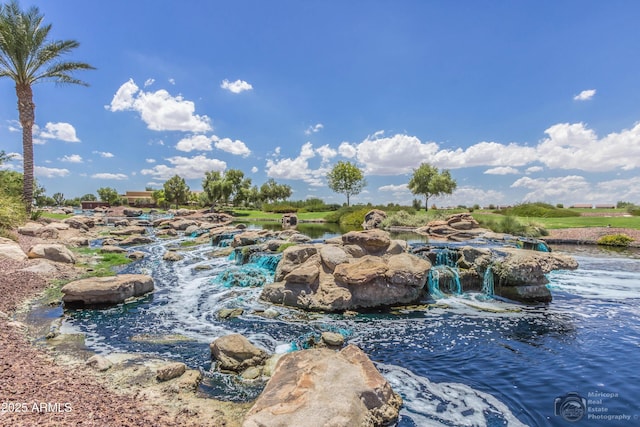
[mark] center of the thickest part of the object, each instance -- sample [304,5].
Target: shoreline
[33,374]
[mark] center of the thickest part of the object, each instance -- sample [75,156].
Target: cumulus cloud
[150,160]
[502,170]
[297,168]
[469,196]
[393,155]
[104,154]
[187,167]
[195,143]
[347,150]
[159,110]
[149,82]
[60,131]
[235,87]
[45,172]
[327,153]
[73,158]
[314,129]
[236,147]
[555,189]
[534,169]
[114,176]
[585,95]
[254,169]
[574,146]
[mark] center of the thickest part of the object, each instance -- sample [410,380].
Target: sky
[532,100]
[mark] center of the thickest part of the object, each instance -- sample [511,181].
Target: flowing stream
[460,359]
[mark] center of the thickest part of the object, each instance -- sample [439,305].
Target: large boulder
[106,290]
[456,227]
[11,250]
[334,277]
[235,353]
[373,219]
[128,231]
[325,388]
[53,252]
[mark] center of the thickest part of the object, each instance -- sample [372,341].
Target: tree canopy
[346,178]
[430,182]
[109,195]
[271,191]
[176,190]
[27,56]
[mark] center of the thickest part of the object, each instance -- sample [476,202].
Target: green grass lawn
[246,215]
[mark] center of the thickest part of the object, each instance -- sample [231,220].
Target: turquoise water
[462,361]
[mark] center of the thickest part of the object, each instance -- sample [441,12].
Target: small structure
[289,220]
[139,198]
[582,206]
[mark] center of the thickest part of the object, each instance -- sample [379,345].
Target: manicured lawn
[255,215]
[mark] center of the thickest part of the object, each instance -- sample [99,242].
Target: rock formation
[325,388]
[106,290]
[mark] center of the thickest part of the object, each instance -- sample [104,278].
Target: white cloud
[44,172]
[236,147]
[195,143]
[172,81]
[393,155]
[235,87]
[394,188]
[150,160]
[502,170]
[149,82]
[314,129]
[159,110]
[327,153]
[585,95]
[574,146]
[61,131]
[534,169]
[469,196]
[485,154]
[347,150]
[114,176]
[73,158]
[556,189]
[297,168]
[186,167]
[254,169]
[104,154]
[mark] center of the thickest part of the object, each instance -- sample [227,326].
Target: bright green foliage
[176,190]
[159,198]
[538,210]
[346,178]
[430,182]
[109,195]
[615,240]
[12,211]
[271,191]
[28,56]
[59,199]
[89,197]
[403,218]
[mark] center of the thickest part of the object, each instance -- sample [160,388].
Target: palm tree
[28,57]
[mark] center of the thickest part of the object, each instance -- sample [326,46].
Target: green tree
[176,190]
[216,188]
[89,197]
[159,198]
[271,191]
[346,178]
[27,56]
[58,198]
[429,182]
[109,195]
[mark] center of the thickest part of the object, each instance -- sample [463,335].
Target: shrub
[538,210]
[615,240]
[284,246]
[403,219]
[355,218]
[12,212]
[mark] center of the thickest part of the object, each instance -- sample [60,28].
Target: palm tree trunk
[26,114]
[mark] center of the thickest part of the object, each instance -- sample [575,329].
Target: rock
[332,256]
[361,271]
[292,257]
[229,313]
[136,240]
[397,247]
[172,256]
[373,219]
[53,252]
[167,232]
[251,373]
[111,249]
[235,353]
[524,267]
[106,290]
[38,230]
[44,267]
[306,273]
[170,371]
[99,363]
[333,339]
[289,220]
[136,255]
[182,224]
[11,250]
[326,388]
[131,213]
[372,241]
[80,222]
[129,231]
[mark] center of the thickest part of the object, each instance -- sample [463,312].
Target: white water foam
[445,404]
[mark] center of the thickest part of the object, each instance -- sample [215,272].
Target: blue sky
[520,100]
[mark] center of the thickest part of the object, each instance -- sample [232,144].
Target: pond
[456,360]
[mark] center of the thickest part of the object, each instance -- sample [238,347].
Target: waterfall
[265,260]
[487,283]
[447,257]
[444,276]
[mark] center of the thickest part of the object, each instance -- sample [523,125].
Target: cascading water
[444,275]
[487,283]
